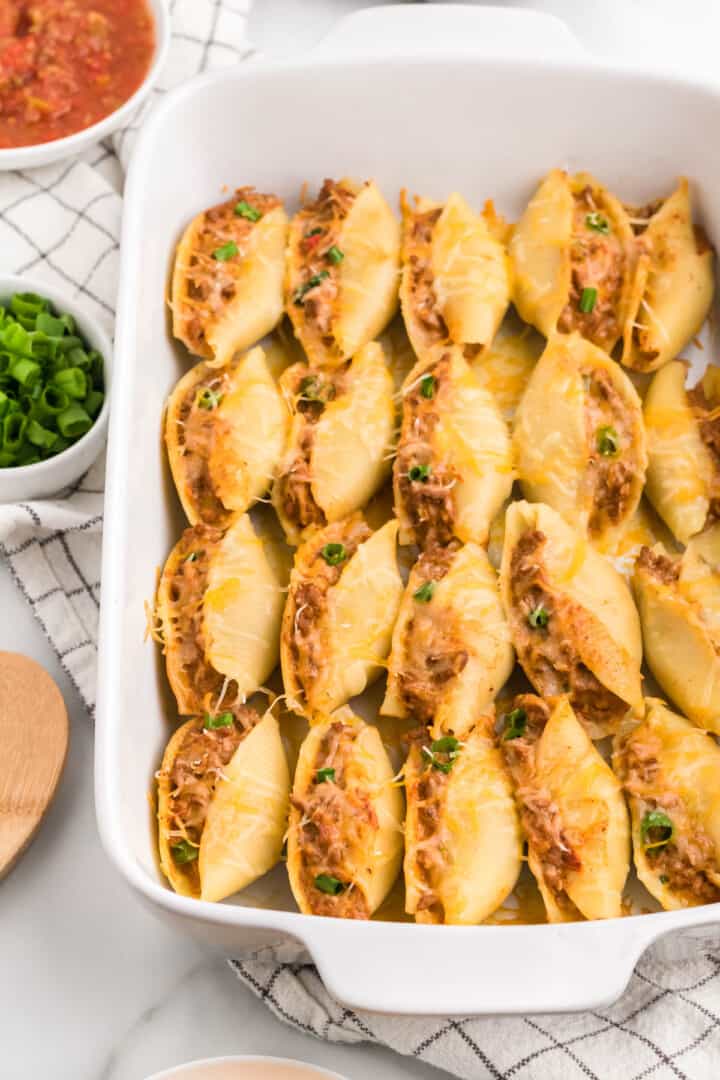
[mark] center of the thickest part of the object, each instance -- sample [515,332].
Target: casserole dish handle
[415,30]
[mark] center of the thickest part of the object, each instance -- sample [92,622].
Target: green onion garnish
[420,473]
[73,382]
[425,593]
[192,557]
[243,209]
[664,879]
[608,443]
[427,386]
[310,388]
[447,745]
[322,776]
[587,299]
[73,421]
[184,852]
[208,399]
[539,617]
[334,554]
[311,283]
[335,255]
[313,232]
[515,724]
[224,719]
[656,830]
[328,884]
[598,223]
[227,251]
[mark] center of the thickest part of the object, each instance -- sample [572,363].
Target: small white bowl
[44,478]
[246,1068]
[30,157]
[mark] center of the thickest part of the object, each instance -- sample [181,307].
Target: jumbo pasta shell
[345,835]
[588,460]
[227,286]
[219,608]
[345,589]
[341,280]
[572,618]
[225,432]
[463,845]
[451,649]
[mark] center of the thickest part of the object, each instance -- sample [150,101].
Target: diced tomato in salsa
[65,64]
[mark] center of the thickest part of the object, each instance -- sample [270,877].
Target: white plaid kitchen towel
[60,224]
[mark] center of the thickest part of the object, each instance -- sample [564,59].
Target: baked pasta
[587,457]
[344,845]
[683,432]
[679,603]
[339,446]
[225,432]
[674,283]
[341,282]
[574,258]
[345,589]
[453,468]
[227,286]
[671,773]
[463,846]
[218,612]
[455,286]
[572,618]
[223,798]
[451,650]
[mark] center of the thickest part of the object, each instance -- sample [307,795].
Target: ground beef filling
[422,280]
[661,567]
[310,599]
[708,417]
[334,823]
[317,284]
[427,495]
[539,814]
[611,472]
[211,282]
[598,261]
[198,765]
[428,795]
[547,653]
[686,862]
[200,429]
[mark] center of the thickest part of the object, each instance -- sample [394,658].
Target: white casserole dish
[462,101]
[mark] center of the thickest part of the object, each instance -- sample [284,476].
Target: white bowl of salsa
[74,71]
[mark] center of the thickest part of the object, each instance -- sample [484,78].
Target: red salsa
[65,64]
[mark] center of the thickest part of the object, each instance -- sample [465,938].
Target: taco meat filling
[312,391]
[212,280]
[335,819]
[425,486]
[610,437]
[539,814]
[708,418]
[418,253]
[433,646]
[200,430]
[598,263]
[193,776]
[661,567]
[546,650]
[688,862]
[320,256]
[427,793]
[310,600]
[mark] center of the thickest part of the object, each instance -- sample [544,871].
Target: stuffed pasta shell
[341,435]
[345,589]
[227,286]
[679,603]
[572,618]
[588,458]
[683,432]
[463,845]
[223,801]
[671,773]
[674,285]
[453,468]
[572,810]
[219,609]
[451,650]
[573,255]
[344,845]
[341,280]
[455,285]
[225,432]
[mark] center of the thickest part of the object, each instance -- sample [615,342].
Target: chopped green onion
[335,255]
[26,372]
[192,557]
[598,223]
[420,473]
[539,617]
[208,399]
[50,325]
[328,884]
[73,382]
[40,436]
[243,209]
[311,283]
[664,879]
[184,852]
[227,251]
[656,830]
[224,719]
[427,386]
[311,387]
[13,432]
[334,554]
[608,443]
[53,401]
[73,421]
[94,402]
[323,776]
[313,232]
[447,745]
[425,593]
[587,299]
[515,724]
